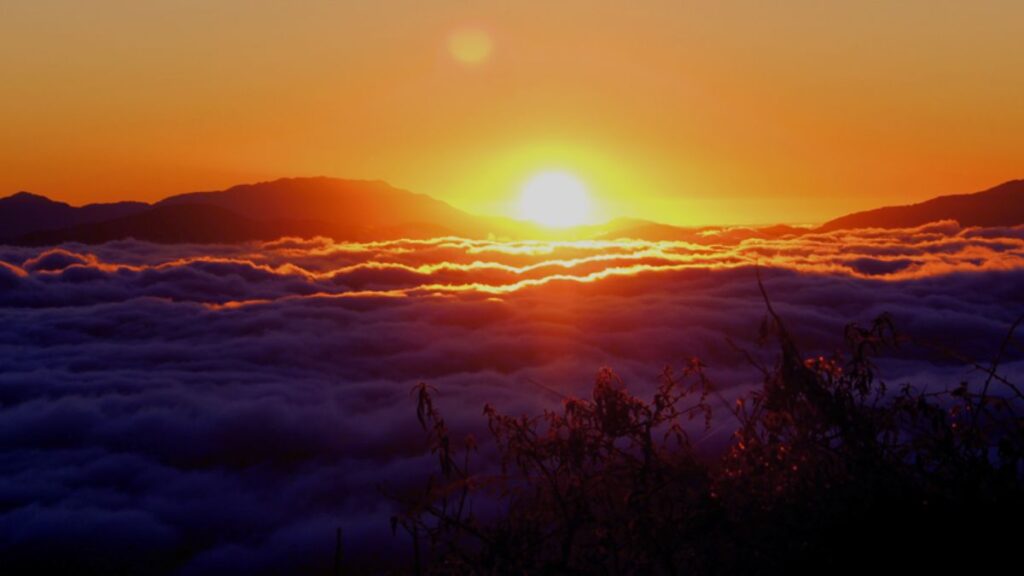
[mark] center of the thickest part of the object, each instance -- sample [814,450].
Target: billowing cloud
[197,409]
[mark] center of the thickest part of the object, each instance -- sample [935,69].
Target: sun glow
[554,198]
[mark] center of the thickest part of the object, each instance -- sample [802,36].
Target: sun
[554,198]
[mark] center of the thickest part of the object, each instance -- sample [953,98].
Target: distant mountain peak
[347,203]
[306,206]
[23,196]
[1001,205]
[313,181]
[27,213]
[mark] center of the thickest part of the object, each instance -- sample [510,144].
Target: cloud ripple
[195,409]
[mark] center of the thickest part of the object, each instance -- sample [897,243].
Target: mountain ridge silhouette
[366,210]
[1001,205]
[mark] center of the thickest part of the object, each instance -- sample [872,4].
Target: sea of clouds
[199,409]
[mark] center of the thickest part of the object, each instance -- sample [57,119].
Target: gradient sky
[717,112]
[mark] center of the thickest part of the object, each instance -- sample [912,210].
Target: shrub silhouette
[827,470]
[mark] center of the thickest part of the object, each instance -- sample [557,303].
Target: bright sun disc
[554,198]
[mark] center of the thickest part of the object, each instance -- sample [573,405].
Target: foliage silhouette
[827,470]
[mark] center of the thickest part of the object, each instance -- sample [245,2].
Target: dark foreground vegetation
[828,471]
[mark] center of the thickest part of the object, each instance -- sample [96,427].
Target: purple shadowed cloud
[201,409]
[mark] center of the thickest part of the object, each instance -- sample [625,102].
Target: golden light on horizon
[554,198]
[663,109]
[470,46]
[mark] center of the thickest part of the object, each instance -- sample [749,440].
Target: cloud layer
[192,409]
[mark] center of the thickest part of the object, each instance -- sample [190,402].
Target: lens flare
[470,46]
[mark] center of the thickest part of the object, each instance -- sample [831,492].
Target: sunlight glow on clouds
[226,407]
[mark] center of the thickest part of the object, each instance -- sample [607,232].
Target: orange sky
[738,112]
